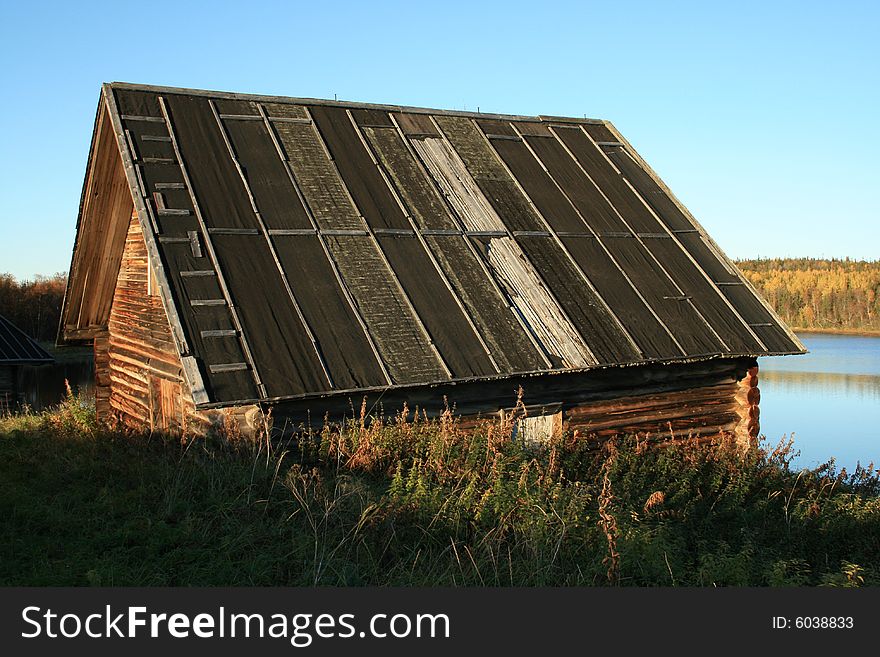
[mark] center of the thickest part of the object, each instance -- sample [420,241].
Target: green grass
[407,502]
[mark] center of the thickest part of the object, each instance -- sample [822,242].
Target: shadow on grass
[412,501]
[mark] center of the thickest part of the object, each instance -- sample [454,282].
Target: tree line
[819,294]
[34,306]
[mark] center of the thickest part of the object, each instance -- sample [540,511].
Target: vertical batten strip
[422,241]
[209,246]
[560,243]
[601,243]
[539,348]
[509,256]
[713,247]
[378,247]
[639,239]
[345,291]
[674,238]
[271,246]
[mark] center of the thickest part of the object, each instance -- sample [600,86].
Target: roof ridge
[293,100]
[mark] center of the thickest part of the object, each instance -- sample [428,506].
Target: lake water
[828,400]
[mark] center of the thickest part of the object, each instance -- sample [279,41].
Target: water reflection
[828,399]
[862,386]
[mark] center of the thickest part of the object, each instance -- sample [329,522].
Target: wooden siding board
[647,331]
[596,326]
[137,354]
[101,348]
[275,197]
[443,319]
[279,343]
[508,343]
[581,305]
[217,185]
[321,187]
[401,343]
[106,208]
[359,174]
[343,343]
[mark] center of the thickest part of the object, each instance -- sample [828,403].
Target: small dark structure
[239,252]
[16,350]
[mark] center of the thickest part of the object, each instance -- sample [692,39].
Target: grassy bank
[418,503]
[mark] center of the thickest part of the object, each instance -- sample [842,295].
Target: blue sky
[762,117]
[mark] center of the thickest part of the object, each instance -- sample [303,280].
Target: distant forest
[33,306]
[807,293]
[819,294]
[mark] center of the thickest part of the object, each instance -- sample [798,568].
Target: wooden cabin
[239,253]
[17,349]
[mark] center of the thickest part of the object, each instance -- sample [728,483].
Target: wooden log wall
[138,372]
[102,374]
[726,407]
[748,397]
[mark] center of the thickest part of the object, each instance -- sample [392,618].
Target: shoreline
[865,333]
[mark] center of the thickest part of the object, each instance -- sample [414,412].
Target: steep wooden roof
[307,247]
[17,347]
